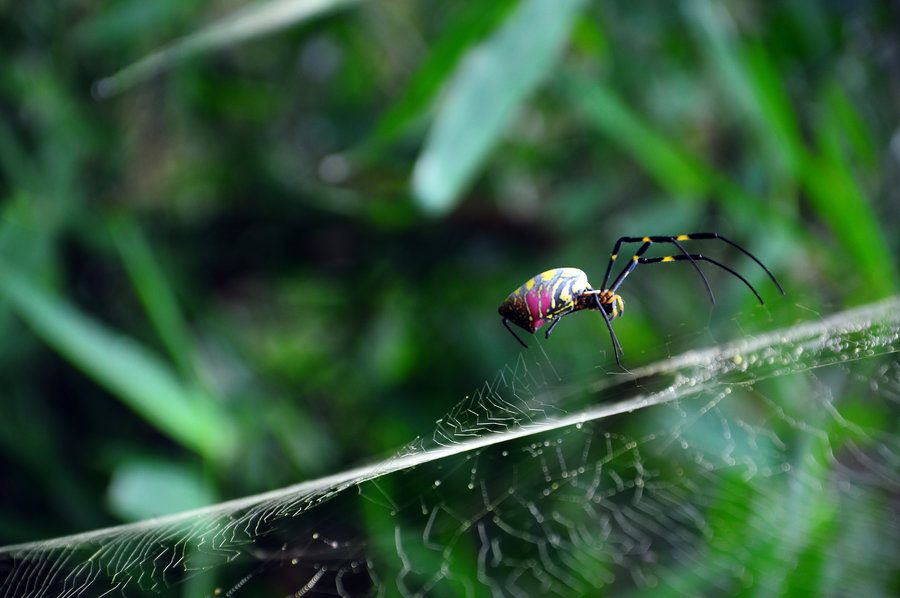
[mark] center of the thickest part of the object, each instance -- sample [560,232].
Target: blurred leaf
[154,291]
[121,22]
[252,21]
[128,370]
[751,81]
[842,203]
[474,21]
[589,38]
[142,489]
[673,167]
[778,124]
[715,31]
[683,174]
[754,82]
[492,80]
[852,124]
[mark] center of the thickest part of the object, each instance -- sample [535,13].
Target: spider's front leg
[617,305]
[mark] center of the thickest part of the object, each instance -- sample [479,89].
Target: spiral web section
[769,465]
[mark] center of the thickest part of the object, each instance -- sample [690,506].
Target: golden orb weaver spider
[559,292]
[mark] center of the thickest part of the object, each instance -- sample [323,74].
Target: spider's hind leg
[512,332]
[552,326]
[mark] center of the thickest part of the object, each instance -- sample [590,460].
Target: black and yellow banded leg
[698,258]
[647,241]
[701,236]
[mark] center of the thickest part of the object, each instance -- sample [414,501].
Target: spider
[559,292]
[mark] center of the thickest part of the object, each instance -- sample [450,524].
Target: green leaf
[751,82]
[142,488]
[674,168]
[130,371]
[255,20]
[492,80]
[154,291]
[474,21]
[840,200]
[852,123]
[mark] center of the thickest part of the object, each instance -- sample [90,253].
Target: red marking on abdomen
[539,300]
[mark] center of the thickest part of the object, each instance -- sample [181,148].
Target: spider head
[612,304]
[608,301]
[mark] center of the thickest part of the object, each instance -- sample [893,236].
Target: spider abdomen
[548,295]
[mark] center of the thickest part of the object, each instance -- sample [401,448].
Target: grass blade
[128,370]
[253,21]
[475,21]
[675,169]
[154,291]
[490,82]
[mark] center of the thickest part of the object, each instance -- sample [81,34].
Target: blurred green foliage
[232,268]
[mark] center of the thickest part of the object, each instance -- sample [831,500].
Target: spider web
[770,465]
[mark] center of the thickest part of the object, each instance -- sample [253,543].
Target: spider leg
[617,348]
[693,236]
[613,255]
[712,298]
[506,323]
[703,258]
[627,269]
[648,241]
[553,325]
